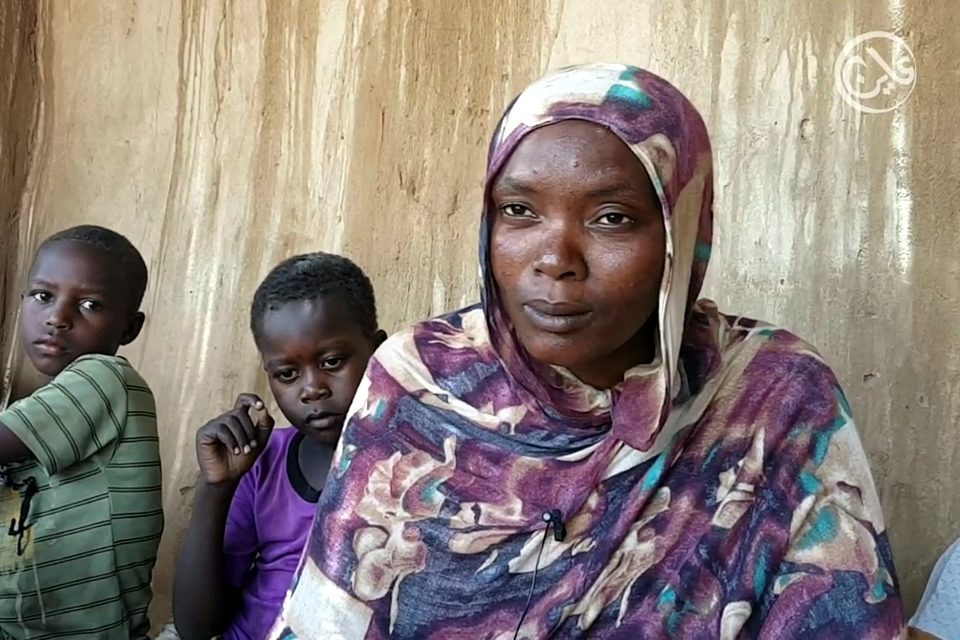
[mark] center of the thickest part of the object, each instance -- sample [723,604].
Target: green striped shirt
[82,566]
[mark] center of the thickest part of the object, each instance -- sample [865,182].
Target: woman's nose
[560,255]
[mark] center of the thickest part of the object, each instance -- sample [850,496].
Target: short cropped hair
[117,247]
[314,276]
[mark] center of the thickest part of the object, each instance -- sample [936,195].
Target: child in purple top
[314,321]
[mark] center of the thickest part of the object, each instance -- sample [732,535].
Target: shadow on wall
[19,97]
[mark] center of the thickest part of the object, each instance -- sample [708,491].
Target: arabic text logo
[875,72]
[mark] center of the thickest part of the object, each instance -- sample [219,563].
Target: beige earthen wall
[223,136]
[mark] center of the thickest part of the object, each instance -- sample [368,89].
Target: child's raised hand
[228,446]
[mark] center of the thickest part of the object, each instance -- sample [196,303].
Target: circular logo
[875,72]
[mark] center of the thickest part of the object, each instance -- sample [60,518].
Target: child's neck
[23,382]
[314,460]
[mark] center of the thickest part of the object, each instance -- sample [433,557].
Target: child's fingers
[263,425]
[264,421]
[249,430]
[248,401]
[253,414]
[264,429]
[232,423]
[225,436]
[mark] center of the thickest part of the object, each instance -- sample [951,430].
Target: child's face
[314,355]
[75,304]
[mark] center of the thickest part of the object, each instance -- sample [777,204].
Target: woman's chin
[556,351]
[597,360]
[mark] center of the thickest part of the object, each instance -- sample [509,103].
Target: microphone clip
[554,520]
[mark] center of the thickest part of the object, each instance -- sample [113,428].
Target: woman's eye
[42,296]
[332,363]
[516,211]
[91,305]
[614,220]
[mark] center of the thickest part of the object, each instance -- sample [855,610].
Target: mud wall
[222,137]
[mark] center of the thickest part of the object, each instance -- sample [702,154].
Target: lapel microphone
[554,520]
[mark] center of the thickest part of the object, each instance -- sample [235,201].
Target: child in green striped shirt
[79,459]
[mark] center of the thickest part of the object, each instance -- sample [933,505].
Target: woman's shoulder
[742,341]
[429,357]
[776,349]
[465,329]
[762,368]
[766,384]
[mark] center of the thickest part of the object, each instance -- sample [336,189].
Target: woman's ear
[379,338]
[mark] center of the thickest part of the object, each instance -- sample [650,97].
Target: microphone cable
[554,521]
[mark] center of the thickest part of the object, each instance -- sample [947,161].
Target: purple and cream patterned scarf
[720,492]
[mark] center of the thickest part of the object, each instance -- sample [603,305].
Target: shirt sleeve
[240,539]
[79,414]
[837,577]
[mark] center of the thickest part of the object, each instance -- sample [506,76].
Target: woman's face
[577,250]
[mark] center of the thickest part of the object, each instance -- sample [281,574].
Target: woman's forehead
[572,150]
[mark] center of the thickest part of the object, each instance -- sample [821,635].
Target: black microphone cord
[554,521]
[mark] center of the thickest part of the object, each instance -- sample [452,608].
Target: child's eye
[42,296]
[332,363]
[91,305]
[286,375]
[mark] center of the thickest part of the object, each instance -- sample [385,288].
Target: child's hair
[311,277]
[128,260]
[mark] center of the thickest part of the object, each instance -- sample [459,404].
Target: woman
[590,452]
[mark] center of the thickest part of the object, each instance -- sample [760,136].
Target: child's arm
[12,448]
[222,539]
[204,601]
[80,413]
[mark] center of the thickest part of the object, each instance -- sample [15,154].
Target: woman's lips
[557,317]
